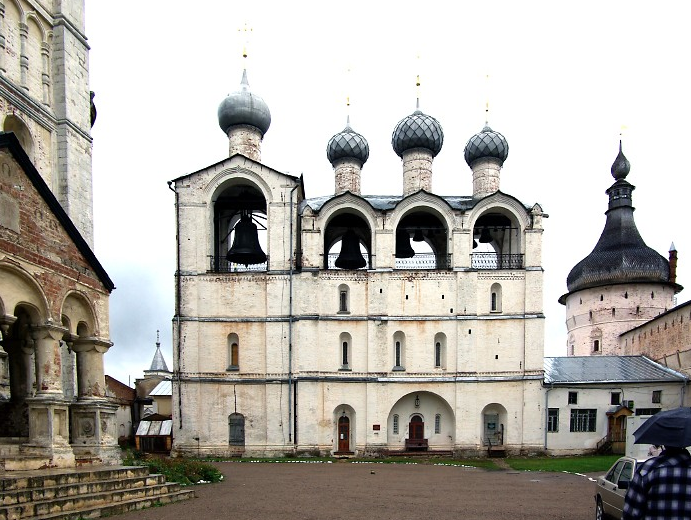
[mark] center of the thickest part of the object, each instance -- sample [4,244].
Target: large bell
[485,237]
[350,256]
[418,236]
[246,249]
[403,247]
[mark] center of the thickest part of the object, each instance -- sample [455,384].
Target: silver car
[610,488]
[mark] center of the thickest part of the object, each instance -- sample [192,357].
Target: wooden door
[343,434]
[416,428]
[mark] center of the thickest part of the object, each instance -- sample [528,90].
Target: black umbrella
[668,428]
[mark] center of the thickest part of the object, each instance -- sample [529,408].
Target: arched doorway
[343,434]
[416,434]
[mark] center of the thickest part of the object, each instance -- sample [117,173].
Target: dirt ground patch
[353,491]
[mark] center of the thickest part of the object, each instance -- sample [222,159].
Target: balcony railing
[331,261]
[424,261]
[222,265]
[495,261]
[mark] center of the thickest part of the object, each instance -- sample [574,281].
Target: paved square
[381,491]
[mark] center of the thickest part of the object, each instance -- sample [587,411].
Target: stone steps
[79,493]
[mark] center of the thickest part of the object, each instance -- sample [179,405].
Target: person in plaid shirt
[661,488]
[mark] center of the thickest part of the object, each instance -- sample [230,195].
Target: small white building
[589,398]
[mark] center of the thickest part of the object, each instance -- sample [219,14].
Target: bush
[180,470]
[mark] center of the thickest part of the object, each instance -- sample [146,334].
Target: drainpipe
[291,426]
[176,369]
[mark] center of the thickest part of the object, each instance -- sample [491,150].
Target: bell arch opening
[497,241]
[240,229]
[422,242]
[347,243]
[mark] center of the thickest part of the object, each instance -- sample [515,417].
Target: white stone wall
[603,313]
[44,68]
[599,398]
[292,369]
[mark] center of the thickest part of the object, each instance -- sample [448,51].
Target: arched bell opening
[240,229]
[347,243]
[496,242]
[421,242]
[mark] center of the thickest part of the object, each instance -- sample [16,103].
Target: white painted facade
[296,356]
[598,397]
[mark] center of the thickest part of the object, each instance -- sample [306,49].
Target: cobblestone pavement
[356,491]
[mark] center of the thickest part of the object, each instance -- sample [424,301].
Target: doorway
[416,434]
[343,434]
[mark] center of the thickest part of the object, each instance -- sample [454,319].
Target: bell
[246,249]
[485,237]
[403,247]
[474,243]
[350,256]
[417,236]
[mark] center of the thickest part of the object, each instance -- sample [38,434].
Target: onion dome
[417,130]
[347,144]
[486,143]
[621,255]
[621,166]
[244,108]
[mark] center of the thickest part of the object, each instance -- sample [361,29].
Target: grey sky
[563,80]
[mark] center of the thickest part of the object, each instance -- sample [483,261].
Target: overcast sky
[565,80]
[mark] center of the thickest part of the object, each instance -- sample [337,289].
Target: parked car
[610,488]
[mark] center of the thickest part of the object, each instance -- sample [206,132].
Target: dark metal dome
[244,108]
[417,130]
[347,144]
[486,143]
[621,255]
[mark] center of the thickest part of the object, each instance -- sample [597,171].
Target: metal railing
[495,261]
[331,261]
[222,265]
[424,261]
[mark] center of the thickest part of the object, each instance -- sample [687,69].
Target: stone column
[91,381]
[48,364]
[3,42]
[23,56]
[93,425]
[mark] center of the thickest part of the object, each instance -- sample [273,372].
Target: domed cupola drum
[244,117]
[485,153]
[347,152]
[417,139]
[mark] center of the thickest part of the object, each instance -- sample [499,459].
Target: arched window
[233,352]
[343,298]
[395,424]
[495,298]
[345,342]
[440,350]
[399,351]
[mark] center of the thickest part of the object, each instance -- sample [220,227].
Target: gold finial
[247,32]
[486,99]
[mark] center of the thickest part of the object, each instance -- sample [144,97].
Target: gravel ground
[350,491]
